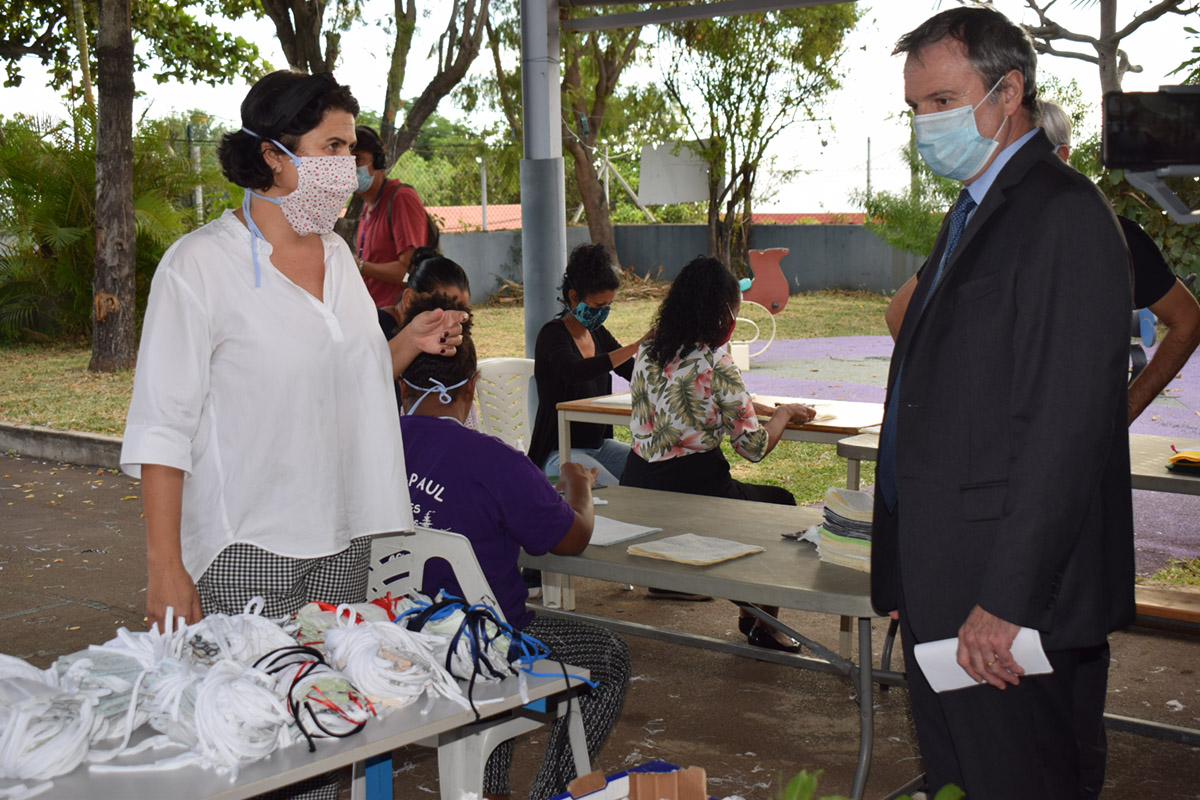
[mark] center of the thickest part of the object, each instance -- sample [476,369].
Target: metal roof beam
[635,19]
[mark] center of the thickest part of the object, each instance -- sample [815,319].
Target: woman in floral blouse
[688,395]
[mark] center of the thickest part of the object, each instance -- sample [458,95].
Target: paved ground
[72,570]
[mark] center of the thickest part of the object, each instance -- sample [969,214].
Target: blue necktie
[885,473]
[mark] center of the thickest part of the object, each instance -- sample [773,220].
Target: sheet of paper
[939,660]
[609,531]
[625,399]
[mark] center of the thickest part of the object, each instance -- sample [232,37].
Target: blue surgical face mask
[950,142]
[365,179]
[590,317]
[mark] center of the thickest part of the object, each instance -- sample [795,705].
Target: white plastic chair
[507,401]
[398,566]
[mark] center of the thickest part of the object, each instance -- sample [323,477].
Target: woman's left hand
[437,332]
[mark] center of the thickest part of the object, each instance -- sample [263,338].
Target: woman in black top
[574,358]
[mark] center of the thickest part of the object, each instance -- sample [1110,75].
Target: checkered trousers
[242,572]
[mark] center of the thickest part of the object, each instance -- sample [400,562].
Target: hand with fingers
[171,588]
[985,649]
[438,332]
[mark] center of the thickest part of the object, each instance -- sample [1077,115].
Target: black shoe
[668,594]
[745,624]
[761,637]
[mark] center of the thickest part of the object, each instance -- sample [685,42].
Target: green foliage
[740,80]
[1185,571]
[1189,70]
[47,221]
[167,34]
[909,220]
[804,787]
[1180,244]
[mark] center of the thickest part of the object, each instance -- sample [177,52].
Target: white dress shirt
[278,407]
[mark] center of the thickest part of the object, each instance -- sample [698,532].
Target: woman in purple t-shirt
[478,486]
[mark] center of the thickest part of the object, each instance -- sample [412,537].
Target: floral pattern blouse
[690,405]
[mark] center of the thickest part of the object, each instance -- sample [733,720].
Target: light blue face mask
[365,179]
[434,386]
[950,142]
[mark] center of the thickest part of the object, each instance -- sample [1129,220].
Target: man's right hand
[174,588]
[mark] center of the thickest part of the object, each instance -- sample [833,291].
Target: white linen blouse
[278,407]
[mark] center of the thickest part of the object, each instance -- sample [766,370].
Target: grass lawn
[49,384]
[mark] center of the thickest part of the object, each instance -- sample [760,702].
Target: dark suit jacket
[1012,450]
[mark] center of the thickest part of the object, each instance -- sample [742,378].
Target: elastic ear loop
[294,706]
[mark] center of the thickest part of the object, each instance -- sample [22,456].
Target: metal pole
[607,201]
[483,190]
[543,188]
[198,189]
[868,167]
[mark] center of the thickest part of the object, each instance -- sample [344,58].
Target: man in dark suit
[1002,492]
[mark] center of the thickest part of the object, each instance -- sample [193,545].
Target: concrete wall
[821,257]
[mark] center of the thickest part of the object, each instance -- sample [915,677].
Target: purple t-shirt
[467,482]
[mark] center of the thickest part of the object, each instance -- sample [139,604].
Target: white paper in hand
[939,660]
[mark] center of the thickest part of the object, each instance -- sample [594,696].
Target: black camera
[1152,130]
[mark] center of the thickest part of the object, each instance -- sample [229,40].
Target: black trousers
[704,473]
[1040,740]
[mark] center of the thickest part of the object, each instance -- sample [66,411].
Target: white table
[849,417]
[789,574]
[1147,461]
[446,723]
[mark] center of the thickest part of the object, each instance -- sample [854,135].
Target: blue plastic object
[744,284]
[1147,322]
[378,777]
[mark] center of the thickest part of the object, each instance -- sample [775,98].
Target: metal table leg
[866,708]
[852,473]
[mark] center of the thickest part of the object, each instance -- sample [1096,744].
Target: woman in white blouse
[263,423]
[688,395]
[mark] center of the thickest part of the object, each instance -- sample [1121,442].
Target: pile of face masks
[228,690]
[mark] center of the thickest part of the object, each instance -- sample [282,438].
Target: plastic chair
[506,400]
[398,566]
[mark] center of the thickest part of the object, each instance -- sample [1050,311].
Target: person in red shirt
[392,225]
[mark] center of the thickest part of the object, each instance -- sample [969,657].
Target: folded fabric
[688,548]
[1184,461]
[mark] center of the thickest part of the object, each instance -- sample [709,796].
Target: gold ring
[988,664]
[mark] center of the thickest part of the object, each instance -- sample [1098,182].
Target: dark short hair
[430,271]
[696,310]
[370,142]
[589,271]
[994,46]
[449,370]
[284,106]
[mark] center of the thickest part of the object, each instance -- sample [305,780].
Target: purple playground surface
[856,367]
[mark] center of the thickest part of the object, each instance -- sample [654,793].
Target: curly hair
[589,271]
[449,370]
[429,271]
[696,310]
[283,105]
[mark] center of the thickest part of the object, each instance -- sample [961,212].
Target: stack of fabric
[845,534]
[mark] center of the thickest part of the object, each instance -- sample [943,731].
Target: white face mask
[323,185]
[950,142]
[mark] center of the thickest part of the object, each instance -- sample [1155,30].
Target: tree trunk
[85,58]
[1106,48]
[114,307]
[595,204]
